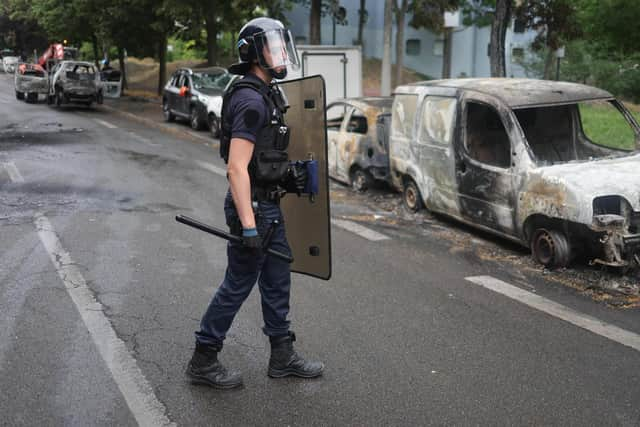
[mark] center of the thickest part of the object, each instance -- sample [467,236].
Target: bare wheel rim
[544,248]
[410,196]
[359,180]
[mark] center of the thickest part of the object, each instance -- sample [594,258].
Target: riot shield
[307,218]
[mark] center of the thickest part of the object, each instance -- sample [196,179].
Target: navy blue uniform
[248,114]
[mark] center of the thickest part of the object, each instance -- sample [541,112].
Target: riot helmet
[268,43]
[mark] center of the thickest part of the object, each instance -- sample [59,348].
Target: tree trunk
[123,68]
[400,20]
[361,20]
[212,33]
[162,59]
[314,22]
[385,78]
[499,27]
[446,54]
[94,42]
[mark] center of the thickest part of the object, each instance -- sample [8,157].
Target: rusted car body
[30,80]
[74,82]
[552,165]
[357,149]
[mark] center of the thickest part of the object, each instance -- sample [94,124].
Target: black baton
[227,236]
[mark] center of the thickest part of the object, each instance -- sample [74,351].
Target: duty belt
[268,194]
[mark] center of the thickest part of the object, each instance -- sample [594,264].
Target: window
[519,25]
[357,122]
[486,139]
[176,79]
[413,47]
[403,114]
[438,48]
[604,125]
[438,118]
[335,116]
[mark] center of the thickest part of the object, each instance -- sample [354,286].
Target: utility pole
[385,77]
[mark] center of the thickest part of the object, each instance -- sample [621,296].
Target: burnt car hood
[571,187]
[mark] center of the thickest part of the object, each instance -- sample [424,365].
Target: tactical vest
[270,161]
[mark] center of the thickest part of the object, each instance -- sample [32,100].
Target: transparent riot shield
[307,217]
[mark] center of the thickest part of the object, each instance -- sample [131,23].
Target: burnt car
[74,82]
[30,80]
[194,94]
[356,142]
[551,165]
[9,64]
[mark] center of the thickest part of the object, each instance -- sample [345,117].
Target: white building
[423,49]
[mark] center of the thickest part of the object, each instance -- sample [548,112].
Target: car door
[174,93]
[184,101]
[436,129]
[484,170]
[336,115]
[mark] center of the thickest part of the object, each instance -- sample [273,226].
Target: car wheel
[19,95]
[32,98]
[550,248]
[411,196]
[166,111]
[214,125]
[360,180]
[194,120]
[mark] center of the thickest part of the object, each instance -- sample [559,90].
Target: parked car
[196,95]
[30,80]
[551,165]
[74,82]
[9,64]
[357,150]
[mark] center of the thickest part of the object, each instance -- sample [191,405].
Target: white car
[9,64]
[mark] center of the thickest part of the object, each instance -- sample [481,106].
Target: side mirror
[184,91]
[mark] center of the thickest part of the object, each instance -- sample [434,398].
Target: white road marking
[14,173]
[196,135]
[107,124]
[212,168]
[138,393]
[359,230]
[598,327]
[143,139]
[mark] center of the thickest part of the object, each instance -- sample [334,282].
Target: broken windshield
[211,80]
[583,131]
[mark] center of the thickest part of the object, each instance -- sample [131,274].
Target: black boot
[285,361]
[204,368]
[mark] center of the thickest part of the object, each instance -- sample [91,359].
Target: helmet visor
[276,49]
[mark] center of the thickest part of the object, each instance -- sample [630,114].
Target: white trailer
[341,67]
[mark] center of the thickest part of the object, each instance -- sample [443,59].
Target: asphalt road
[101,290]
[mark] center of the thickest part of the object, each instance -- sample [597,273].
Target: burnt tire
[550,248]
[360,180]
[194,120]
[19,95]
[214,125]
[166,112]
[411,196]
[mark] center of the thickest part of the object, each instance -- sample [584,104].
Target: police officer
[253,142]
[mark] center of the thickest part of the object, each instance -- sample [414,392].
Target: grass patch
[604,125]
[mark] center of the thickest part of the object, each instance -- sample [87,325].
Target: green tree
[611,25]
[556,23]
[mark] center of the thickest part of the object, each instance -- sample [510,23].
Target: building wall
[469,44]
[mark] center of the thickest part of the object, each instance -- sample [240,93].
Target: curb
[168,129]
